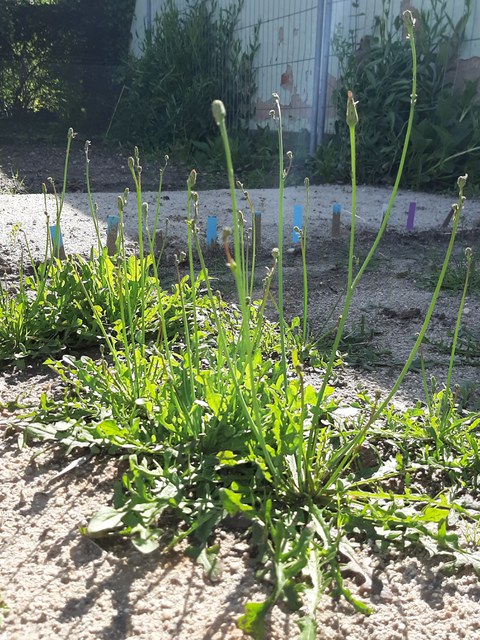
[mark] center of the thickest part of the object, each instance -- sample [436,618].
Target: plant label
[411,216]
[297,222]
[211,230]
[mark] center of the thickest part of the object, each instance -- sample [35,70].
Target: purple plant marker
[411,215]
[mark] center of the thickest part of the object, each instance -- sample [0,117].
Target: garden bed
[57,582]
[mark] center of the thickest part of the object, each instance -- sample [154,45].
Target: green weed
[358,344]
[211,406]
[456,273]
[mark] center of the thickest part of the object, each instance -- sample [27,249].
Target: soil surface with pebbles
[57,583]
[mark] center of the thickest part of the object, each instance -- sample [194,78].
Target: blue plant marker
[297,222]
[336,210]
[411,216]
[211,230]
[112,223]
[112,232]
[57,241]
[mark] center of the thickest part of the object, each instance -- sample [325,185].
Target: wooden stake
[112,232]
[258,228]
[337,210]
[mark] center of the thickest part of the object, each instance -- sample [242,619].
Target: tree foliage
[62,56]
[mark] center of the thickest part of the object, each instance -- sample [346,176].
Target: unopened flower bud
[352,115]
[462,181]
[192,179]
[219,112]
[408,20]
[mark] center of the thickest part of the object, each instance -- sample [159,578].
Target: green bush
[189,58]
[446,132]
[59,60]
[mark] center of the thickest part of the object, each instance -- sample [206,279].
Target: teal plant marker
[57,241]
[211,230]
[297,222]
[112,232]
[336,211]
[411,216]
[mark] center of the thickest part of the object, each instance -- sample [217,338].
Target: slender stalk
[303,240]
[281,185]
[93,211]
[219,115]
[142,212]
[354,194]
[191,222]
[409,23]
[468,256]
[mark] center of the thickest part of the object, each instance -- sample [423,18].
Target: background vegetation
[189,58]
[446,131]
[59,61]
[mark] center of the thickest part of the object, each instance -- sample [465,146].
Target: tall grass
[212,407]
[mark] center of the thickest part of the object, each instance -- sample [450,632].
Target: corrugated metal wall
[286,62]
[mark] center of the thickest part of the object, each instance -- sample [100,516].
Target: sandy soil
[58,584]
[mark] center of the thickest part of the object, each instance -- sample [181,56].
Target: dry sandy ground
[58,584]
[27,211]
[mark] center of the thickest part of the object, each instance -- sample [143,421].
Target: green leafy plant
[456,273]
[218,419]
[358,344]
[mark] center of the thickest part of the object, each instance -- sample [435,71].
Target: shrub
[189,58]
[446,130]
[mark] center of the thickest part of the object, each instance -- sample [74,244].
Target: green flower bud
[192,179]
[352,115]
[219,112]
[408,20]
[462,181]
